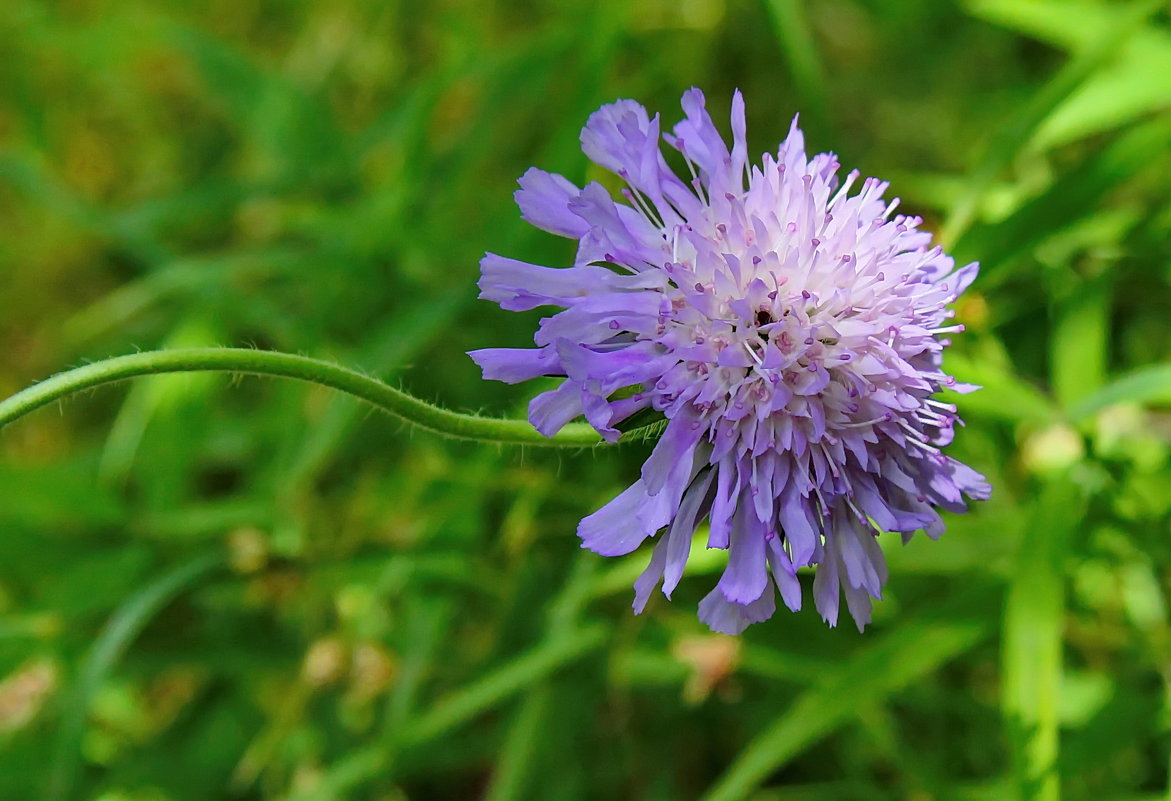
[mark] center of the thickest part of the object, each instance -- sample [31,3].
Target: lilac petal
[662,506]
[518,286]
[727,617]
[613,530]
[544,198]
[739,136]
[746,575]
[791,153]
[884,515]
[513,365]
[645,584]
[682,529]
[859,604]
[598,413]
[675,445]
[784,574]
[615,136]
[847,545]
[613,369]
[698,139]
[616,233]
[622,138]
[794,519]
[723,503]
[576,324]
[962,278]
[623,408]
[550,411]
[969,481]
[825,591]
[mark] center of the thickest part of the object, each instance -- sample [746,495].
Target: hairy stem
[287,365]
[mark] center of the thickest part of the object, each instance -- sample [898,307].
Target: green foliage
[257,589]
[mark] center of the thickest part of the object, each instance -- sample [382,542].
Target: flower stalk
[287,365]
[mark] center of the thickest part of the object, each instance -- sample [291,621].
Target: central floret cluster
[788,330]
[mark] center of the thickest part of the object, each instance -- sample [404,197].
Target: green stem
[287,365]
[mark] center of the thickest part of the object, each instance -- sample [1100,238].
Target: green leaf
[912,651]
[1074,197]
[1080,340]
[1011,139]
[1144,385]
[121,630]
[510,778]
[1003,396]
[457,708]
[498,684]
[1136,83]
[800,51]
[1031,657]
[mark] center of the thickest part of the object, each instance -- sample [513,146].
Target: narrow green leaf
[455,709]
[800,52]
[1011,138]
[1136,83]
[1075,196]
[161,394]
[904,655]
[510,778]
[1031,656]
[501,683]
[124,625]
[1004,396]
[1079,343]
[1144,385]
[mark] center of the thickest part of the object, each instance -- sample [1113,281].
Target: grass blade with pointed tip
[906,654]
[124,625]
[457,708]
[1010,140]
[1146,384]
[1032,643]
[800,51]
[1080,340]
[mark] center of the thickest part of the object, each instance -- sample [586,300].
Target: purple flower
[788,327]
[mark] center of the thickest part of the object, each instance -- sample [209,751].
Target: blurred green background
[252,589]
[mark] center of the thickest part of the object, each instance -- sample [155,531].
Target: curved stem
[287,365]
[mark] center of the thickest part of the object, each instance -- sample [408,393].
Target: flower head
[787,324]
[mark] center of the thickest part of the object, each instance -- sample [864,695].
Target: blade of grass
[906,654]
[1152,383]
[1031,650]
[1003,396]
[1136,83]
[1074,196]
[456,709]
[156,395]
[800,52]
[510,778]
[463,705]
[1079,342]
[123,627]
[1012,138]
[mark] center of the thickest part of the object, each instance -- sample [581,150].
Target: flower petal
[727,617]
[613,530]
[513,365]
[544,198]
[550,411]
[746,575]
